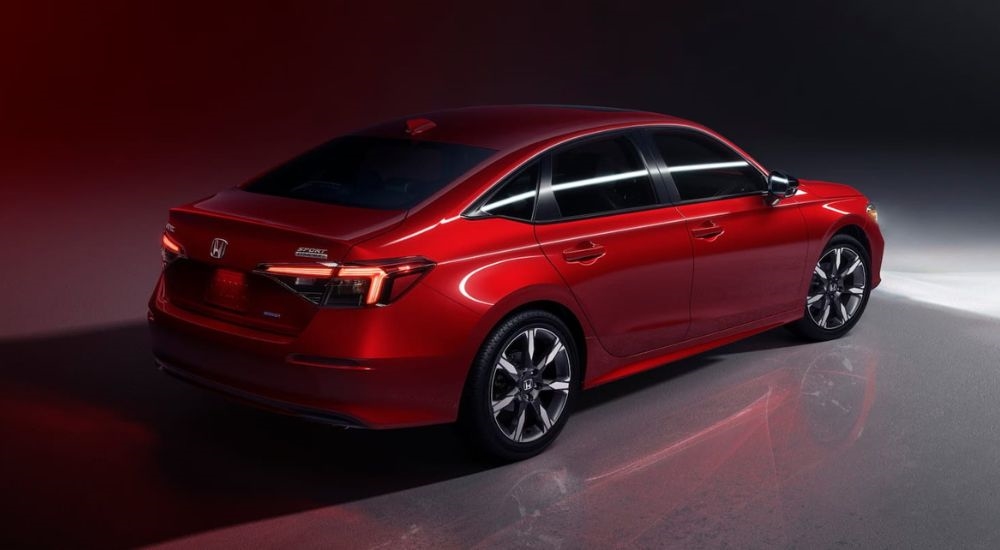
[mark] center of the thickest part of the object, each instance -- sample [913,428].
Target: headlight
[872,212]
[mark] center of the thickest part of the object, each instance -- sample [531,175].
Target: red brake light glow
[300,271]
[350,285]
[170,249]
[375,275]
[171,245]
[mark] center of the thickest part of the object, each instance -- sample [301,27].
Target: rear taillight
[351,285]
[170,249]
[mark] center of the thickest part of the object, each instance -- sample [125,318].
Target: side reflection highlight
[707,166]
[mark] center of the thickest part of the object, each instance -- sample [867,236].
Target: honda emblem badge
[219,248]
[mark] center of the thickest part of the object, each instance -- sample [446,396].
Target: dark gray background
[110,113]
[113,113]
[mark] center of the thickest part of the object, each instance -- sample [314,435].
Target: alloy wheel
[530,384]
[837,289]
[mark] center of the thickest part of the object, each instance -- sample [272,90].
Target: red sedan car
[487,264]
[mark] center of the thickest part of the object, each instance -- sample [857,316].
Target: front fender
[828,217]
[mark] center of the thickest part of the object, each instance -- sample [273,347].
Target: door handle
[585,252]
[708,231]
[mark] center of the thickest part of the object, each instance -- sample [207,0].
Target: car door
[748,256]
[625,255]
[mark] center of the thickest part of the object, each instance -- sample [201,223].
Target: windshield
[370,172]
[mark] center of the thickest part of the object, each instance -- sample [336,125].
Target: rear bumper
[388,367]
[283,407]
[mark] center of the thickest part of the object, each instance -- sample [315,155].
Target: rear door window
[600,176]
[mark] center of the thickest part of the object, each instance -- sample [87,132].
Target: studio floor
[886,438]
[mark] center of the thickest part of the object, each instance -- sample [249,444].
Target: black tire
[488,380]
[812,326]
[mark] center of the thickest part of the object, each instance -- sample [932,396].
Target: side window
[600,176]
[516,197]
[702,167]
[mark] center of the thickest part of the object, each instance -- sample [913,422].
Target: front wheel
[522,386]
[838,291]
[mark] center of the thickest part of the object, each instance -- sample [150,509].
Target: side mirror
[780,185]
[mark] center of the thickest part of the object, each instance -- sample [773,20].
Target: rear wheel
[838,291]
[522,386]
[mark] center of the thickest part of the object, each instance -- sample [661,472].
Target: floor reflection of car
[738,460]
[485,265]
[726,462]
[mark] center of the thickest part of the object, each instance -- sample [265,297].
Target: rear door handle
[584,252]
[708,231]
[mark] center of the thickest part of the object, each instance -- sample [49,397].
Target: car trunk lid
[227,237]
[260,229]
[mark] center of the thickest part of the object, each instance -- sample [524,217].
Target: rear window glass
[370,172]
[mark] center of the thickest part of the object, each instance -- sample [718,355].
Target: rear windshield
[370,172]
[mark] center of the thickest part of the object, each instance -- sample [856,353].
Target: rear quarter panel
[489,266]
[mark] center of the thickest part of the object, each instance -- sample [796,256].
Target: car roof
[509,127]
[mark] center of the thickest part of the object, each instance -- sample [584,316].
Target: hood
[827,189]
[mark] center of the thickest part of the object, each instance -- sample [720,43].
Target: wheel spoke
[843,312]
[819,273]
[507,367]
[826,315]
[542,416]
[852,267]
[530,335]
[519,429]
[859,290]
[815,298]
[836,260]
[504,401]
[558,347]
[555,385]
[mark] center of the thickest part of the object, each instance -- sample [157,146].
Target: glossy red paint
[629,267]
[748,261]
[639,287]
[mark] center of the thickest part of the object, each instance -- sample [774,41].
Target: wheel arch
[550,300]
[811,329]
[565,315]
[853,230]
[870,238]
